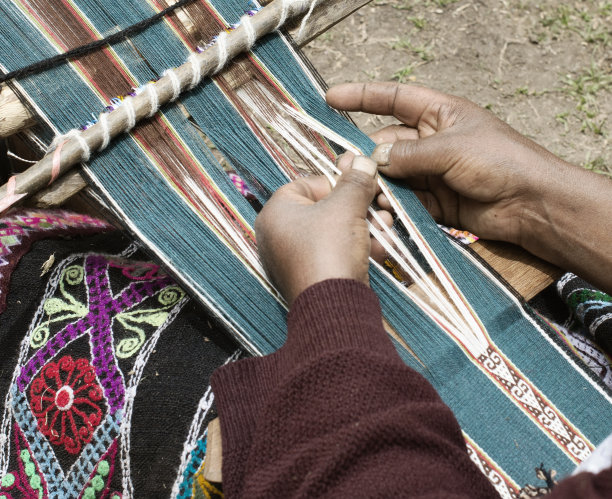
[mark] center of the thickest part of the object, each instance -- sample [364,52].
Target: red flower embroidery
[65,400]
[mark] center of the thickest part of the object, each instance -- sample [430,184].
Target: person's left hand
[308,232]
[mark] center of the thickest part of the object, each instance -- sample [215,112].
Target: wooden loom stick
[324,16]
[15,117]
[77,148]
[525,273]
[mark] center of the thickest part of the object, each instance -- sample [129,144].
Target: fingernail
[344,161]
[364,164]
[382,153]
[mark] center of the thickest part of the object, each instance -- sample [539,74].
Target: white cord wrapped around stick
[76,147]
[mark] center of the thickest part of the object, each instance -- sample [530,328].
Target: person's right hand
[474,172]
[470,170]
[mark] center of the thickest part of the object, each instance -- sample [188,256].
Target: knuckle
[260,222]
[360,180]
[402,149]
[264,219]
[401,155]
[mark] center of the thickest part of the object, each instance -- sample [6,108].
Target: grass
[421,51]
[444,3]
[418,22]
[402,75]
[589,23]
[590,20]
[597,165]
[553,29]
[586,88]
[408,4]
[562,118]
[396,4]
[560,17]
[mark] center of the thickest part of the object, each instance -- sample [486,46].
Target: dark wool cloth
[336,413]
[174,380]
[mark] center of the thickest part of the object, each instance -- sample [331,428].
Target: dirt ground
[544,67]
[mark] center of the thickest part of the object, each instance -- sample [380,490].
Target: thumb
[407,158]
[355,188]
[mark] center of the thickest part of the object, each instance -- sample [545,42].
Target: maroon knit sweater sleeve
[336,413]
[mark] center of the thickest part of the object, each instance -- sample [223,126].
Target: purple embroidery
[102,309]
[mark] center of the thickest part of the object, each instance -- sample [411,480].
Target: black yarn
[76,52]
[548,476]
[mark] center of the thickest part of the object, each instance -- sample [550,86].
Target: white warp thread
[222,52]
[287,7]
[85,150]
[103,120]
[196,71]
[306,18]
[249,31]
[176,84]
[153,98]
[130,114]
[73,134]
[284,13]
[293,7]
[11,154]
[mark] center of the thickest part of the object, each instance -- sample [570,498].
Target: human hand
[468,168]
[308,232]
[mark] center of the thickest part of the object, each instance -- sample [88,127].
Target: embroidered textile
[462,236]
[561,317]
[590,307]
[109,394]
[20,228]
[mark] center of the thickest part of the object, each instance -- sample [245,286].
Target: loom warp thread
[86,49]
[222,54]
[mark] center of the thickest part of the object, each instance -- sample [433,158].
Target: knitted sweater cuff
[335,314]
[332,315]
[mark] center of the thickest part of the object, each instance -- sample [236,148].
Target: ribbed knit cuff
[335,314]
[331,315]
[328,316]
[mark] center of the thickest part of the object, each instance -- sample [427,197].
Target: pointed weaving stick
[16,117]
[77,146]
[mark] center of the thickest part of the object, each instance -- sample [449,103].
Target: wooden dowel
[14,116]
[526,273]
[41,174]
[323,17]
[59,192]
[213,463]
